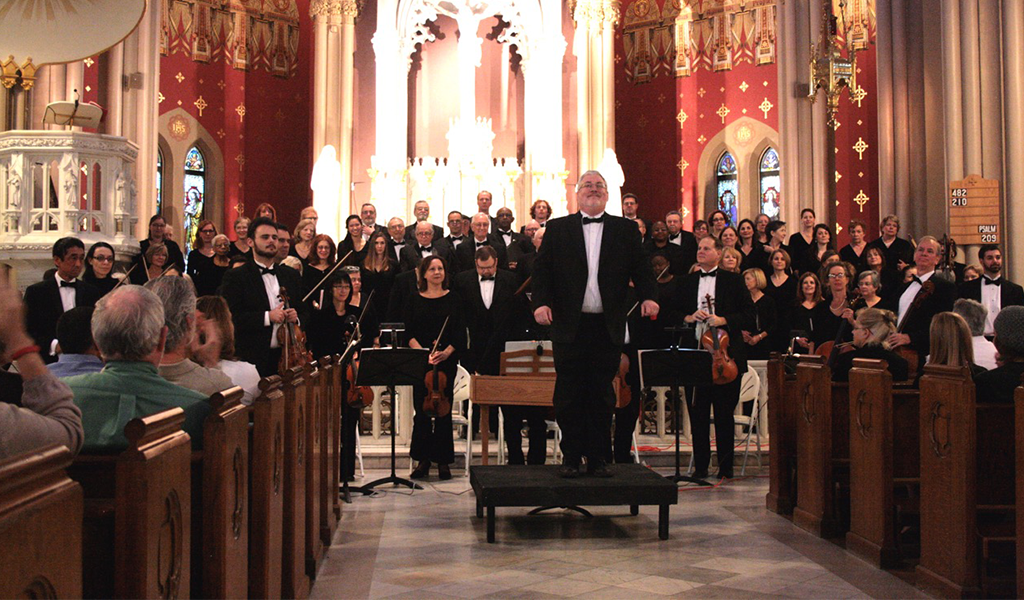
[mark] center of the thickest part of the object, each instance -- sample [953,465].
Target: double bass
[716,341]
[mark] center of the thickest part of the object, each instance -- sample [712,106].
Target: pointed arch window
[771,183]
[195,194]
[728,186]
[159,180]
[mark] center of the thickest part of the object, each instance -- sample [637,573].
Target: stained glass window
[728,186]
[771,183]
[159,181]
[195,194]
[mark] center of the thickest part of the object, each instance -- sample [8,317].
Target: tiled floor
[722,544]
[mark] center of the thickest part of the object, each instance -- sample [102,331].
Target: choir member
[378,272]
[730,238]
[871,328]
[309,213]
[457,235]
[540,211]
[284,244]
[807,309]
[480,225]
[839,307]
[853,252]
[748,244]
[731,259]
[265,210]
[993,290]
[368,215]
[898,252]
[761,226]
[781,287]
[718,221]
[869,284]
[483,205]
[658,245]
[353,242]
[889,278]
[801,241]
[700,229]
[157,261]
[303,245]
[201,256]
[99,267]
[971,272]
[158,234]
[758,337]
[815,257]
[425,243]
[396,238]
[684,239]
[207,279]
[776,231]
[320,261]
[241,244]
[421,214]
[425,315]
[516,244]
[630,205]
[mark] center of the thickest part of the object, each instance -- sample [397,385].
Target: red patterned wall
[266,145]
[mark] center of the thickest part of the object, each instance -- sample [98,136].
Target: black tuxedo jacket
[43,307]
[451,242]
[560,274]
[918,323]
[246,296]
[465,253]
[395,252]
[732,301]
[410,233]
[688,244]
[1010,294]
[520,246]
[410,256]
[489,329]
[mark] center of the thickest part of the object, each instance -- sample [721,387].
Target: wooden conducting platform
[540,486]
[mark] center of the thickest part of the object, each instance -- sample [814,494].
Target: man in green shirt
[128,328]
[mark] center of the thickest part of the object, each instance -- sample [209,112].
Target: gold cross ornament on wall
[200,104]
[860,147]
[723,112]
[766,106]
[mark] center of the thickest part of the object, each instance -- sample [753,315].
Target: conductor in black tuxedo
[580,281]
[48,299]
[920,299]
[423,244]
[253,295]
[479,225]
[992,290]
[734,310]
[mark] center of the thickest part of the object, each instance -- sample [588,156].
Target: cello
[716,341]
[435,403]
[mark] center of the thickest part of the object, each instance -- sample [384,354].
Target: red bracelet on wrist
[23,351]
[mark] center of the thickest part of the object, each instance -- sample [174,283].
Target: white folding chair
[750,388]
[462,411]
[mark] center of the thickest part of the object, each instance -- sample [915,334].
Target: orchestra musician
[253,295]
[916,302]
[871,329]
[733,310]
[426,314]
[580,280]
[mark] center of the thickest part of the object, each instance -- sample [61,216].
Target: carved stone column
[594,48]
[333,77]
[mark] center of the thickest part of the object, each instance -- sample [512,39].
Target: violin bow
[438,340]
[329,273]
[637,303]
[524,286]
[127,273]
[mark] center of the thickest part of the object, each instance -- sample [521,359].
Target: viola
[292,340]
[359,396]
[435,403]
[716,341]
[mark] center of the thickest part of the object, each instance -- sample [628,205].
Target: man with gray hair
[999,384]
[976,315]
[179,298]
[128,328]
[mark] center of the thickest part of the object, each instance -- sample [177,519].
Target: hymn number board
[974,211]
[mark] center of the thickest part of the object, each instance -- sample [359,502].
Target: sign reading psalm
[974,211]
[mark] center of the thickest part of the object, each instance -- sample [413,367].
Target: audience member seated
[179,300]
[128,327]
[47,414]
[999,384]
[78,354]
[950,343]
[870,330]
[975,314]
[213,312]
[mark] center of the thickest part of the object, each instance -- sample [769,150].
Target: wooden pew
[40,526]
[314,447]
[823,448]
[153,514]
[967,488]
[294,582]
[225,493]
[330,423]
[1019,413]
[336,433]
[782,413]
[267,490]
[884,454]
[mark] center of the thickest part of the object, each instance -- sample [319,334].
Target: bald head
[538,238]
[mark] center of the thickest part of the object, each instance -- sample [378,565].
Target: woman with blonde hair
[870,330]
[303,236]
[731,259]
[951,342]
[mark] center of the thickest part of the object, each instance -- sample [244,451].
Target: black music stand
[677,367]
[392,367]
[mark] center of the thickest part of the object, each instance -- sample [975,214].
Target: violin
[435,403]
[292,340]
[359,396]
[716,341]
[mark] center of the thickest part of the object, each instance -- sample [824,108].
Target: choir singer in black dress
[425,316]
[580,281]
